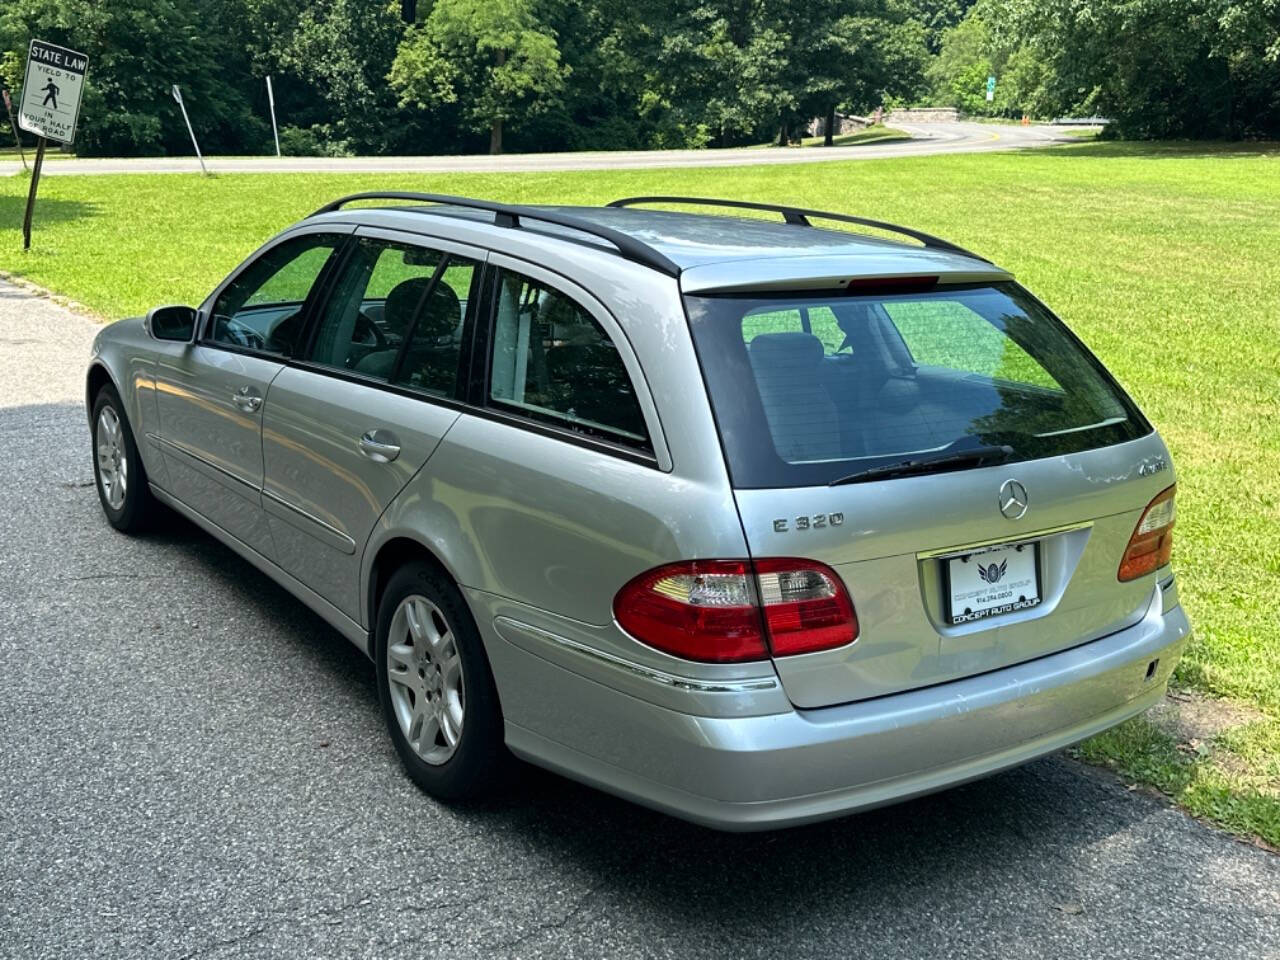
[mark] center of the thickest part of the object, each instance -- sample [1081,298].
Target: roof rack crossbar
[799,216]
[511,215]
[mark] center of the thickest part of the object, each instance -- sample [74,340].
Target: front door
[351,423]
[211,394]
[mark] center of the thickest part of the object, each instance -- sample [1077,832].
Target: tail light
[1151,545]
[729,611]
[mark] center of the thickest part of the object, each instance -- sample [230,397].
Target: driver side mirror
[173,322]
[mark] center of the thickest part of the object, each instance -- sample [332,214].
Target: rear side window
[396,313]
[809,389]
[373,306]
[552,362]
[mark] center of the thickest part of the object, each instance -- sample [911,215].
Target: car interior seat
[802,418]
[429,362]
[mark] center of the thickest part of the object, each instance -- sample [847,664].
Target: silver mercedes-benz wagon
[748,520]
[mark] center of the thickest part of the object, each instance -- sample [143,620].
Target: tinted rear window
[807,389]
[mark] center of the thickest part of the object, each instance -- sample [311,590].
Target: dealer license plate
[993,581]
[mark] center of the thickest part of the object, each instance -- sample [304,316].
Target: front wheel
[117,466]
[438,696]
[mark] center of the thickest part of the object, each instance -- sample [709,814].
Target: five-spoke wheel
[438,694]
[117,465]
[424,670]
[113,465]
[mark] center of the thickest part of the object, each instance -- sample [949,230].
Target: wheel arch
[390,556]
[97,377]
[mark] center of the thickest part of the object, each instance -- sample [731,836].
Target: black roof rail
[511,215]
[799,216]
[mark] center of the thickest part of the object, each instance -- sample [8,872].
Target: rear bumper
[783,769]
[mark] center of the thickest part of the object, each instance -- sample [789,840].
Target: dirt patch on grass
[1193,718]
[1223,734]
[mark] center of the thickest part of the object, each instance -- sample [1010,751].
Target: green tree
[936,17]
[137,50]
[496,59]
[334,55]
[864,54]
[1158,68]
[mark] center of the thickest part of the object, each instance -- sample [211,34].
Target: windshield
[814,389]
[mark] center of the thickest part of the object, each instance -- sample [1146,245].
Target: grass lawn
[1166,260]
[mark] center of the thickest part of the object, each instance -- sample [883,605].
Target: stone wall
[923,115]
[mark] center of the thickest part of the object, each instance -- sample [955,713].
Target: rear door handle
[381,446]
[247,399]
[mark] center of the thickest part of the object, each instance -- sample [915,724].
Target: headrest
[786,350]
[439,317]
[441,314]
[401,303]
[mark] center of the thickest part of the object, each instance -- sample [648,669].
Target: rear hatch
[960,460]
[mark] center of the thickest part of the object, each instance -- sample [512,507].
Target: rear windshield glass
[810,389]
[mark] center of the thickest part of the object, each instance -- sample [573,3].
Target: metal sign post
[31,194]
[50,107]
[13,125]
[271,99]
[177,95]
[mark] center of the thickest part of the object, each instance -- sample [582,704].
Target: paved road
[193,766]
[927,139]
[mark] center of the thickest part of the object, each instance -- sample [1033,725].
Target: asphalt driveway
[193,765]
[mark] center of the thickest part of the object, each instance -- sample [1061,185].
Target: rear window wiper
[936,463]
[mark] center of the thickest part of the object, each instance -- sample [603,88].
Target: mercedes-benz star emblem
[1013,499]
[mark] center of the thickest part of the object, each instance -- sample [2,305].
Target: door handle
[381,446]
[247,399]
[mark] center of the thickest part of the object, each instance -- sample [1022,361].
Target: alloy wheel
[113,465]
[424,673]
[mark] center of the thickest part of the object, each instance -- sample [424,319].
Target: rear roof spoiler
[834,274]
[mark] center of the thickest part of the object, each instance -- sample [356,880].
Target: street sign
[271,99]
[177,96]
[991,88]
[51,91]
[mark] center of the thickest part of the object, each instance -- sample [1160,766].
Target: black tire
[480,762]
[136,510]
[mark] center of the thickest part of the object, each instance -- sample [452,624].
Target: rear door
[1004,551]
[210,394]
[348,425]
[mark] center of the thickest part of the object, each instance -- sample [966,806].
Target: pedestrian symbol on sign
[51,92]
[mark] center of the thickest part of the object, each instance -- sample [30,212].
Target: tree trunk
[828,138]
[782,134]
[409,10]
[495,128]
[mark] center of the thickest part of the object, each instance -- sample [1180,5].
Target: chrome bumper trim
[675,681]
